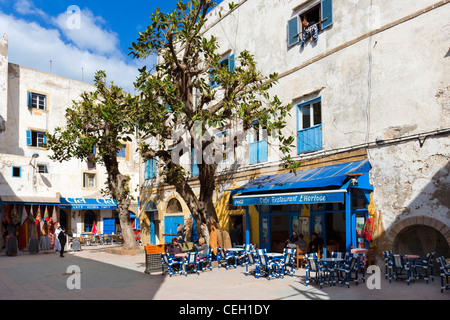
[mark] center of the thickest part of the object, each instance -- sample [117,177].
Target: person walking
[62,241]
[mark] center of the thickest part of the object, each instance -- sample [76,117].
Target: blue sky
[37,32]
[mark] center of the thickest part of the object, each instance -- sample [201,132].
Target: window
[174,206]
[89,180]
[320,14]
[258,145]
[36,139]
[42,168]
[221,139]
[151,169]
[37,101]
[122,152]
[309,116]
[195,170]
[17,172]
[228,63]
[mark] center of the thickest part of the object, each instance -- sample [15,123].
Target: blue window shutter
[147,170]
[195,170]
[29,138]
[263,151]
[327,13]
[29,99]
[45,138]
[231,63]
[293,31]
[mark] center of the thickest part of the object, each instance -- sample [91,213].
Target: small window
[36,139]
[309,118]
[37,101]
[42,168]
[16,172]
[89,180]
[151,169]
[122,152]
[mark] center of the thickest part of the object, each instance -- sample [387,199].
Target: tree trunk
[126,225]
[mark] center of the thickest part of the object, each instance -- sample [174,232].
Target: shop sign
[92,204]
[289,199]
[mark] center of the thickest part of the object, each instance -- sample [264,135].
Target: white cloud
[89,35]
[26,7]
[32,45]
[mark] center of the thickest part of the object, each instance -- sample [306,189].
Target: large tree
[101,120]
[179,95]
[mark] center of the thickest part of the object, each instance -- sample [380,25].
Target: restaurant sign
[301,198]
[84,203]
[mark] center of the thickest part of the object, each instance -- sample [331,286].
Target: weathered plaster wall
[3,86]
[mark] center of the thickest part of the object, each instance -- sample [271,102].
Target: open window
[319,14]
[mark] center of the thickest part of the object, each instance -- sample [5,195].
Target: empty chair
[338,255]
[242,256]
[346,270]
[386,255]
[400,268]
[206,259]
[266,266]
[423,267]
[170,262]
[444,268]
[191,261]
[251,261]
[223,255]
[287,261]
[313,265]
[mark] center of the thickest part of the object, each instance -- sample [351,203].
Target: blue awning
[317,185]
[88,204]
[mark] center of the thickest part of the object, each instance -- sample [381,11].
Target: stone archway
[420,235]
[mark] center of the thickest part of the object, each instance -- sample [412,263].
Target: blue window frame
[195,170]
[309,126]
[36,139]
[151,169]
[323,12]
[37,101]
[258,145]
[229,63]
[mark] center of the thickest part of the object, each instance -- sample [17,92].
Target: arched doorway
[173,218]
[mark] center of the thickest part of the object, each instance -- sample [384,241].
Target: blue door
[109,225]
[170,227]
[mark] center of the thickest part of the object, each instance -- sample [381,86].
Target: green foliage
[177,92]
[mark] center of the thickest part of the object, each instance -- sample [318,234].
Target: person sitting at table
[202,247]
[174,248]
[315,244]
[295,241]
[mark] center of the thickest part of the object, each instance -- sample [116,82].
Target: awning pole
[348,220]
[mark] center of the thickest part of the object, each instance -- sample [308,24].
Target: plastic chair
[400,268]
[170,262]
[346,269]
[444,267]
[223,255]
[423,267]
[191,260]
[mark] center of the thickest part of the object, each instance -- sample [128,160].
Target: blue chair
[345,270]
[444,267]
[206,258]
[423,267]
[266,266]
[400,268]
[242,256]
[224,255]
[170,262]
[321,272]
[191,260]
[386,255]
[251,261]
[360,264]
[287,261]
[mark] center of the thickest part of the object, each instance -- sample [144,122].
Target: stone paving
[114,277]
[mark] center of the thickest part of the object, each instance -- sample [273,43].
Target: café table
[272,255]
